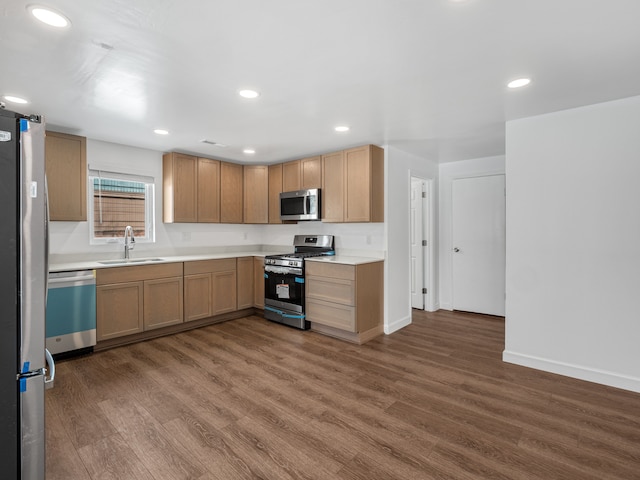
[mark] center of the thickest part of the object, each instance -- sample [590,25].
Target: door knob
[456,249]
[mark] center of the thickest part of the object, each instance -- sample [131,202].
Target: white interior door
[479,244]
[417,249]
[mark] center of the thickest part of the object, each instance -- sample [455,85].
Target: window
[118,200]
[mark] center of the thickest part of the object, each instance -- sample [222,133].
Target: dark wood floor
[251,399]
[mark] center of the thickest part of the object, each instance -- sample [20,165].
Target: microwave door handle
[307,204]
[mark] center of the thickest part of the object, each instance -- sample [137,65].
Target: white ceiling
[427,76]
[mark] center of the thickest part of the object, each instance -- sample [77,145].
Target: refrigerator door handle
[48,381]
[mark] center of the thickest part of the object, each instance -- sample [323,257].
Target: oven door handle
[284,315]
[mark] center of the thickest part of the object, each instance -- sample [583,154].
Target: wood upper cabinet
[133,299]
[311,173]
[179,188]
[333,187]
[302,174]
[364,184]
[256,194]
[353,185]
[191,189]
[231,192]
[66,167]
[291,176]
[275,188]
[345,301]
[208,190]
[258,286]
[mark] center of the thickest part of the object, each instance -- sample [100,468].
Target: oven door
[284,296]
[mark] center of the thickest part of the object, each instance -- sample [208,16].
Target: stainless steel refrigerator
[24,363]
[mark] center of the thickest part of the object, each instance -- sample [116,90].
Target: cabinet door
[275,188]
[357,173]
[258,286]
[180,200]
[245,282]
[291,176]
[208,191]
[333,187]
[197,297]
[162,302]
[224,292]
[66,166]
[256,194]
[230,193]
[311,172]
[119,310]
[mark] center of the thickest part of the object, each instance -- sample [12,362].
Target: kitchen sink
[129,261]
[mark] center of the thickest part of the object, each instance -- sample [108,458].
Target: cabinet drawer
[331,270]
[331,290]
[106,276]
[210,266]
[331,314]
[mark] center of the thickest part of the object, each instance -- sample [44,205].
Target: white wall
[573,231]
[449,172]
[72,238]
[399,167]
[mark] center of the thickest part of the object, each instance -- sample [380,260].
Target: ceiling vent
[211,142]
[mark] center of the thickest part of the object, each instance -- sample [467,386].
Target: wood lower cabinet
[197,296]
[210,288]
[66,166]
[163,302]
[135,299]
[258,286]
[345,301]
[245,282]
[119,309]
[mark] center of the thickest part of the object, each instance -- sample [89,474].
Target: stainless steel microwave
[300,205]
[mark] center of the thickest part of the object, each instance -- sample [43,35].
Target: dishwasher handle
[89,278]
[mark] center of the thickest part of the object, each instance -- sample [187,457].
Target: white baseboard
[446,306]
[433,308]
[575,371]
[397,325]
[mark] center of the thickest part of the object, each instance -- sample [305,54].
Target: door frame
[429,230]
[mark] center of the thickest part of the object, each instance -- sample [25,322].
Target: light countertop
[64,266]
[344,259]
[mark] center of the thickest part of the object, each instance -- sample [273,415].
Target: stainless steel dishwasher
[71,311]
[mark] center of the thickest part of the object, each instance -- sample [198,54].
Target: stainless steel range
[284,279]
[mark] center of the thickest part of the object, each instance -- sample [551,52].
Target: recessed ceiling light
[161,131]
[249,151]
[248,94]
[519,82]
[342,128]
[48,16]
[11,98]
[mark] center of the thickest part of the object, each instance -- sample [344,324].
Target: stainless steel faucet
[129,240]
